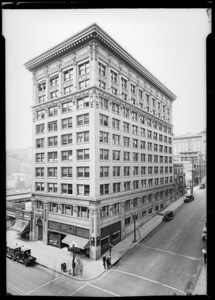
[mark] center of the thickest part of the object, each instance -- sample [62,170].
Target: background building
[179,180]
[102,143]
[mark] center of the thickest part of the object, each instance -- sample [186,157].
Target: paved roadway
[167,262]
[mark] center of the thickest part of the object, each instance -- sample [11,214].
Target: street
[167,262]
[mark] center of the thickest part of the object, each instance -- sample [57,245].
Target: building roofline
[96,32]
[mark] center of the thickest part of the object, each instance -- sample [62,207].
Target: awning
[80,242]
[20,225]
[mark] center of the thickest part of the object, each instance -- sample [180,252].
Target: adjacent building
[102,143]
[179,180]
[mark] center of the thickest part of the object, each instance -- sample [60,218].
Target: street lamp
[73,247]
[134,216]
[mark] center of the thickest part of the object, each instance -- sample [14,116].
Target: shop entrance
[40,229]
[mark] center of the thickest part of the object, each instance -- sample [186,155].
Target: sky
[169,43]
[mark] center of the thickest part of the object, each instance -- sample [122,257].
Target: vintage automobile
[24,256]
[189,198]
[168,215]
[204,234]
[11,251]
[202,186]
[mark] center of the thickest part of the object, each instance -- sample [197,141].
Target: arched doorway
[40,229]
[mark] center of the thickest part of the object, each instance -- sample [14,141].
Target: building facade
[102,142]
[179,180]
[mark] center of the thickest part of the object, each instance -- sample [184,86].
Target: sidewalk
[52,257]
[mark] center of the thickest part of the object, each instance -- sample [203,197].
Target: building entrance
[40,229]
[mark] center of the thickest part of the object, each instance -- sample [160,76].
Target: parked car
[11,251]
[202,186]
[24,256]
[204,234]
[168,215]
[189,198]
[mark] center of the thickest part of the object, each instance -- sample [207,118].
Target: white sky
[170,43]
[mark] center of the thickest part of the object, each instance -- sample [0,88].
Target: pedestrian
[108,261]
[205,255]
[104,261]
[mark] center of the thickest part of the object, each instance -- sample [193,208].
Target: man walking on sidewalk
[104,261]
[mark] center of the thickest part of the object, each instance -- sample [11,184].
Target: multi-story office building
[179,180]
[102,141]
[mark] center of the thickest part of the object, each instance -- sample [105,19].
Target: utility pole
[134,216]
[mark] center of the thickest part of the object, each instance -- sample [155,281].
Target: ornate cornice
[94,32]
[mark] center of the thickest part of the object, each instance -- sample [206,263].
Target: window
[149,122]
[161,159]
[156,181]
[66,172]
[116,171]
[103,103]
[104,172]
[140,94]
[41,86]
[66,123]
[114,90]
[135,170]
[127,185]
[150,182]
[83,154]
[53,207]
[126,171]
[52,172]
[104,154]
[83,103]
[40,143]
[83,189]
[67,89]
[127,221]
[103,120]
[116,187]
[115,123]
[102,69]
[113,76]
[133,88]
[125,127]
[116,139]
[134,129]
[83,84]
[142,144]
[166,170]
[126,141]
[155,147]
[40,114]
[149,157]
[143,157]
[149,146]
[41,99]
[150,170]
[155,126]
[143,170]
[115,107]
[83,172]
[126,156]
[143,183]
[133,101]
[142,119]
[53,94]
[82,137]
[135,156]
[104,189]
[103,137]
[83,68]
[124,83]
[143,213]
[66,139]
[150,211]
[52,141]
[125,112]
[82,119]
[54,81]
[116,155]
[142,132]
[39,205]
[67,75]
[52,126]
[135,201]
[40,157]
[52,187]
[104,211]
[66,155]
[149,134]
[102,84]
[52,156]
[165,149]
[66,107]
[67,209]
[155,158]
[52,111]
[155,170]
[134,116]
[39,172]
[135,143]
[115,208]
[160,148]
[124,96]
[40,128]
[39,186]
[147,98]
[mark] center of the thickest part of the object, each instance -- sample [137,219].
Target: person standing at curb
[108,261]
[104,261]
[205,255]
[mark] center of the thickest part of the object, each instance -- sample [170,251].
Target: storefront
[22,227]
[110,234]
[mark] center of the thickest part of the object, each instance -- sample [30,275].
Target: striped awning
[20,225]
[79,242]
